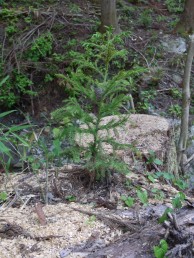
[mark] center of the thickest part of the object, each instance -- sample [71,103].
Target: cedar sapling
[98,87]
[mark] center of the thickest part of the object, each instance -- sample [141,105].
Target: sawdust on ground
[75,227]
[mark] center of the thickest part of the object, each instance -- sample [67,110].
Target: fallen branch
[112,222]
[140,243]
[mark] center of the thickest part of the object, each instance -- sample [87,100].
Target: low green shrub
[12,88]
[175,6]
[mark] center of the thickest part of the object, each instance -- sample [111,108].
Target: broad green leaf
[182,195]
[180,183]
[151,178]
[3,196]
[143,196]
[164,245]
[123,198]
[161,249]
[129,201]
[168,176]
[177,201]
[158,162]
[159,252]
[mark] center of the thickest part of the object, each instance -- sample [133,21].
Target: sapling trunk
[47,183]
[95,144]
[182,144]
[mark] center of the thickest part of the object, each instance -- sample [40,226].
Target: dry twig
[40,213]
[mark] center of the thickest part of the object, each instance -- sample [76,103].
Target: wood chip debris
[75,227]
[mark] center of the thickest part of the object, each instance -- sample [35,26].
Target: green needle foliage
[98,85]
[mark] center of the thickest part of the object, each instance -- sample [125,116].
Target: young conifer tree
[98,87]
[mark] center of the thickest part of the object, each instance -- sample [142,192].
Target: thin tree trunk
[109,15]
[182,144]
[186,23]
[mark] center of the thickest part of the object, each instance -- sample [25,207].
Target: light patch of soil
[147,132]
[144,132]
[74,227]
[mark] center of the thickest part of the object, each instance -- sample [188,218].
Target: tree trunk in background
[109,15]
[182,144]
[186,23]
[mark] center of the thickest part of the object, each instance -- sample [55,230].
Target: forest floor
[82,222]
